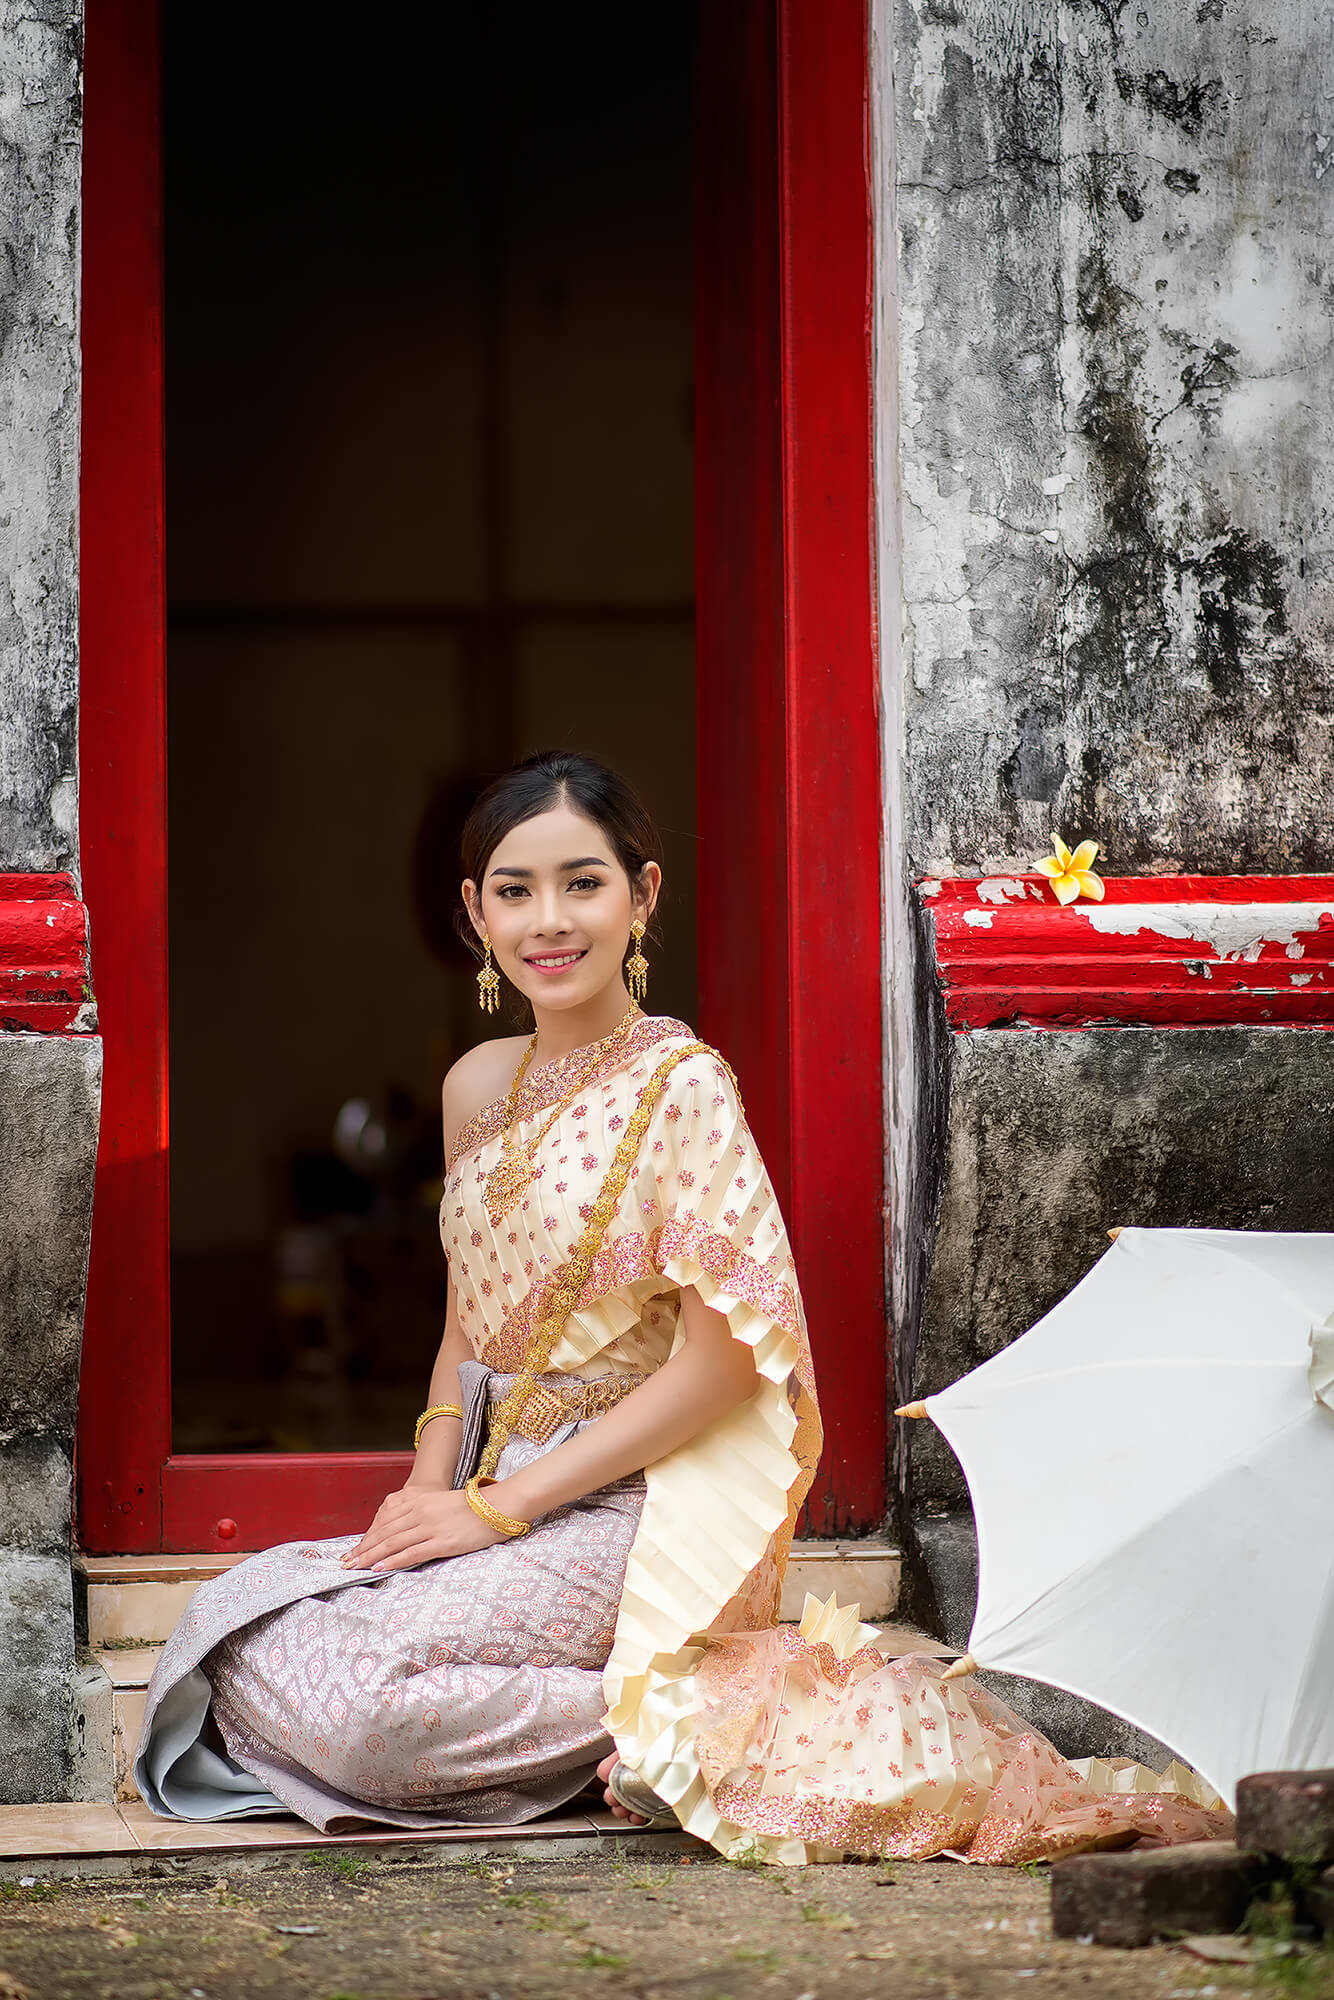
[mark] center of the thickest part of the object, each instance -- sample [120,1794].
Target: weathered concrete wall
[49,1089]
[49,1100]
[1117,430]
[40,105]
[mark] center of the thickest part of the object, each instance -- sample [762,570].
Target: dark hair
[558,778]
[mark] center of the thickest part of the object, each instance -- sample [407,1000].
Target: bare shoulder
[479,1078]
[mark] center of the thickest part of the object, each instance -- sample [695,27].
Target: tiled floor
[34,1833]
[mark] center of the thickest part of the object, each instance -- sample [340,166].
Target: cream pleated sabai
[698,1210]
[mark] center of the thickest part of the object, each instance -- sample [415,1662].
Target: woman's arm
[705,1380]
[709,1376]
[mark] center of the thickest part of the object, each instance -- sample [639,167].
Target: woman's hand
[420,1524]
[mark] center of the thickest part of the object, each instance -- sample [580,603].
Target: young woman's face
[558,907]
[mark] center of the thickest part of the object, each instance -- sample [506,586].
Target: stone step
[140,1598]
[111,1725]
[134,1603]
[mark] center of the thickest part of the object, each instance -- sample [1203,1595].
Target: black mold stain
[1108,414]
[1209,10]
[1181,180]
[1182,104]
[1205,380]
[1131,203]
[1242,603]
[1109,12]
[1036,767]
[1088,810]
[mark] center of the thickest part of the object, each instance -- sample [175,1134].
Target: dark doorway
[429,479]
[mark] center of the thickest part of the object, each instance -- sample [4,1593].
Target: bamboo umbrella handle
[912,1410]
[959,1669]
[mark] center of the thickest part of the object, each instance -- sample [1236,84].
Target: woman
[620,1429]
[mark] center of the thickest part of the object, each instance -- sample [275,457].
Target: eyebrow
[566,867]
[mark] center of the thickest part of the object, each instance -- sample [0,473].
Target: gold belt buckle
[542,1415]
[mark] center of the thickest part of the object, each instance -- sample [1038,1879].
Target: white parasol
[1152,1470]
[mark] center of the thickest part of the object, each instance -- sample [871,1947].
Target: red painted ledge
[45,983]
[1162,951]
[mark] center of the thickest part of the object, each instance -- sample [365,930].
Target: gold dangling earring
[488,981]
[637,967]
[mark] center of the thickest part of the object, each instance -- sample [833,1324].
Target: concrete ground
[621,1924]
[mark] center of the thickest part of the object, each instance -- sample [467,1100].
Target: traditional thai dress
[484,1689]
[474,1690]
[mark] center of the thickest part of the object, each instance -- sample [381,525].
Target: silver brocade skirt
[467,1692]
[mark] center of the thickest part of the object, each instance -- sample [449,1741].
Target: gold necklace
[515,1170]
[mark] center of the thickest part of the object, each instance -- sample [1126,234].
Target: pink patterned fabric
[457,1689]
[882,1757]
[464,1692]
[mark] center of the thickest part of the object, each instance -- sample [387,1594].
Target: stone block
[1130,1899]
[1318,1902]
[1052,1138]
[49,1105]
[1288,1813]
[92,1734]
[36,1676]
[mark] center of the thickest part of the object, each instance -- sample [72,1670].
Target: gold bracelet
[436,1410]
[504,1524]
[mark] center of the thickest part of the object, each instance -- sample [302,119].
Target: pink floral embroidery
[633,1257]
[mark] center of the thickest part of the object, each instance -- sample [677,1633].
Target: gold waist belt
[548,1407]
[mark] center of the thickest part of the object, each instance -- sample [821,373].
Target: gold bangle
[504,1524]
[436,1410]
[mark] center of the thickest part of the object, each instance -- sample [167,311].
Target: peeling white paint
[1001,889]
[1300,978]
[63,804]
[930,888]
[1057,483]
[981,920]
[1233,930]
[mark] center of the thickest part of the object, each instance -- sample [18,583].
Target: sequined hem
[637,1256]
[850,1826]
[546,1086]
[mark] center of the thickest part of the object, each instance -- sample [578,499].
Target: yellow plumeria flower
[1070,874]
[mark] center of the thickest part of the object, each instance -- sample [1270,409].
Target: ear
[472,903]
[645,897]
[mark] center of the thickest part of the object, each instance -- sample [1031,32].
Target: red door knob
[225,1530]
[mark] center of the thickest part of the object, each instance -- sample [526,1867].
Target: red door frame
[790,900]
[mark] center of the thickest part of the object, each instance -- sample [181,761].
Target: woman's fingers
[389,1543]
[394,1512]
[409,1557]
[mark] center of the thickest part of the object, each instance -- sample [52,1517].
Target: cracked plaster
[1116,438]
